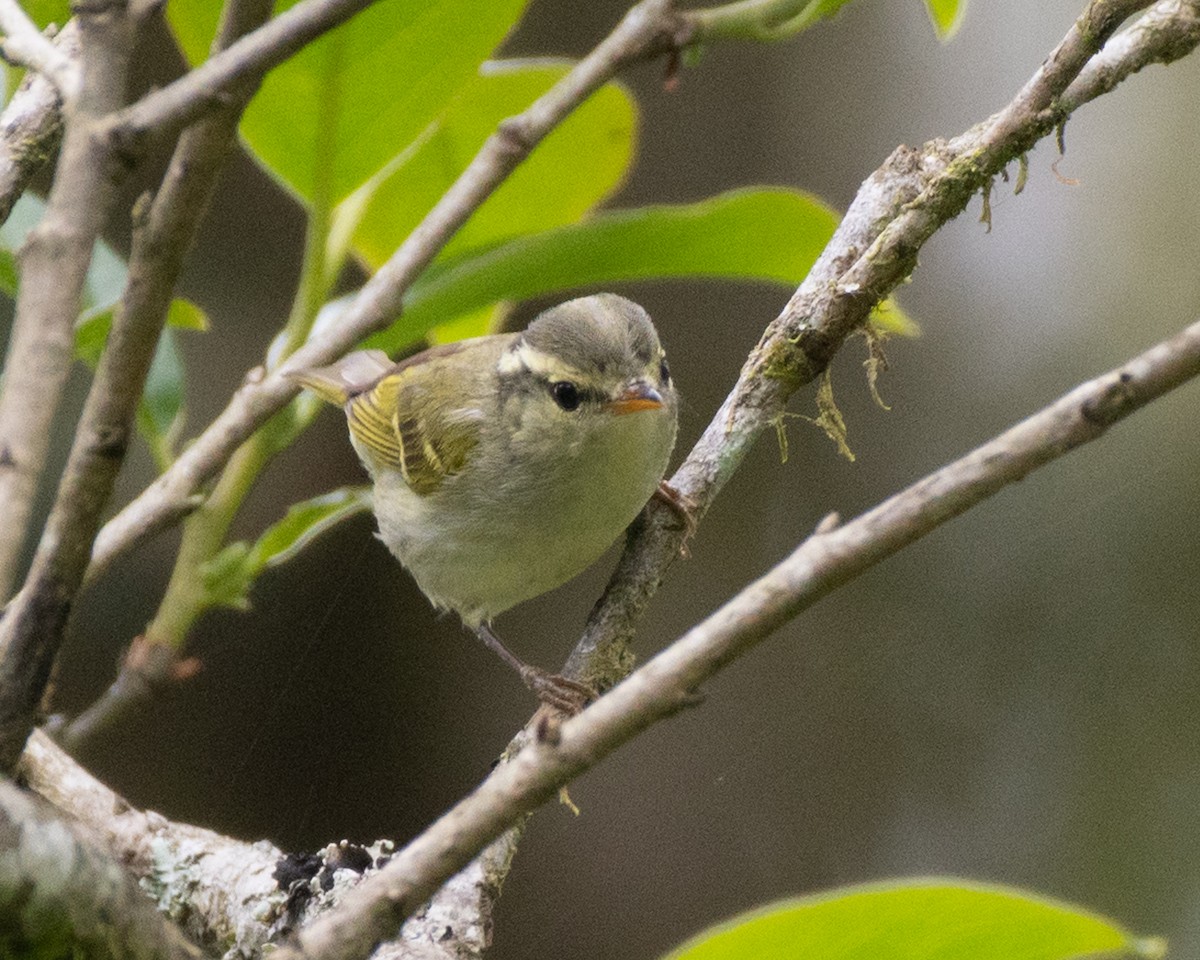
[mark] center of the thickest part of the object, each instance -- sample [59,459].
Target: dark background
[1013,699]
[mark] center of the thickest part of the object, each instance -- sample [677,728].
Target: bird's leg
[562,693]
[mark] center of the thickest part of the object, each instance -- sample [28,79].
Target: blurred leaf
[329,118]
[91,329]
[91,333]
[572,170]
[925,919]
[8,273]
[766,234]
[478,323]
[185,315]
[106,274]
[46,12]
[160,411]
[947,16]
[303,523]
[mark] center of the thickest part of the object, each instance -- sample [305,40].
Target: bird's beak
[636,396]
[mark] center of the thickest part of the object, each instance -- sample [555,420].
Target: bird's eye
[664,372]
[565,394]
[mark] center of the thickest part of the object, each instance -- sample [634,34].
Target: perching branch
[830,558]
[648,28]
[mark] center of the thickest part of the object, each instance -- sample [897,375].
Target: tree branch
[648,28]
[872,252]
[231,889]
[827,560]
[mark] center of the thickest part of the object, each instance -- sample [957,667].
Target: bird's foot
[562,694]
[684,508]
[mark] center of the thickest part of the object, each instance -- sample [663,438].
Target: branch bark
[827,560]
[873,251]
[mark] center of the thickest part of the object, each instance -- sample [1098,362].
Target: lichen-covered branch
[873,251]
[62,895]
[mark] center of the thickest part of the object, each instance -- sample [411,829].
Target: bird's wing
[422,418]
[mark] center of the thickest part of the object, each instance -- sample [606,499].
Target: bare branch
[23,43]
[655,691]
[647,28]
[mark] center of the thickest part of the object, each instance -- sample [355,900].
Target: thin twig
[1167,31]
[375,910]
[647,28]
[24,44]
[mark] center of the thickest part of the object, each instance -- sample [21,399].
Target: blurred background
[1014,699]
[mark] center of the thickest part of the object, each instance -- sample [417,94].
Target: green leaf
[230,574]
[304,522]
[766,234]
[329,118]
[46,12]
[160,410]
[227,577]
[947,16]
[923,919]
[569,172]
[184,315]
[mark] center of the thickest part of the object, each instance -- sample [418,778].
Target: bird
[505,465]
